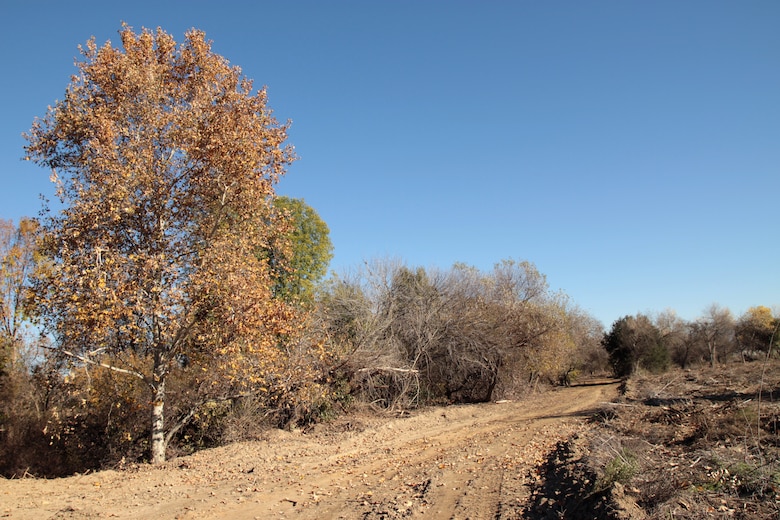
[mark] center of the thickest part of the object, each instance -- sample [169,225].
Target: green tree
[300,258]
[634,341]
[165,161]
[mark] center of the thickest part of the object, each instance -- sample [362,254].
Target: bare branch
[187,417]
[104,365]
[389,369]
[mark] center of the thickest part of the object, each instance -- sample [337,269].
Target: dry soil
[474,461]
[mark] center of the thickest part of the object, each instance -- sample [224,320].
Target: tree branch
[389,369]
[104,365]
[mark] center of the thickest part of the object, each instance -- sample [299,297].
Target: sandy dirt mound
[476,461]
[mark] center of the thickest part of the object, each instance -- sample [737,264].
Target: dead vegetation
[469,461]
[688,444]
[685,444]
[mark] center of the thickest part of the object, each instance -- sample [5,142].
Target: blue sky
[630,149]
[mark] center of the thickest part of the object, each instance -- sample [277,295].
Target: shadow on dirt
[587,413]
[597,382]
[770,395]
[568,489]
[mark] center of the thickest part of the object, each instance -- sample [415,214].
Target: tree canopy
[165,161]
[756,330]
[635,341]
[404,336]
[300,258]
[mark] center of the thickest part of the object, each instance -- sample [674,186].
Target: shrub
[621,468]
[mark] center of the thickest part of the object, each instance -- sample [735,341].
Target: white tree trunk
[158,424]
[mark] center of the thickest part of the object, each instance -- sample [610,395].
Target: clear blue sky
[630,149]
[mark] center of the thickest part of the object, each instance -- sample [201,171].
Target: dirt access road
[457,462]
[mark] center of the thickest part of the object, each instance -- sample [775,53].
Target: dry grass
[702,443]
[690,444]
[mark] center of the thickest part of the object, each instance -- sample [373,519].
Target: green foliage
[748,478]
[656,359]
[632,342]
[621,468]
[298,267]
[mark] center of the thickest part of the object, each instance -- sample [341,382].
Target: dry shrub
[100,419]
[614,459]
[406,337]
[54,426]
[697,438]
[247,420]
[24,446]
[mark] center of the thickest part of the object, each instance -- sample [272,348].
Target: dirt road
[457,462]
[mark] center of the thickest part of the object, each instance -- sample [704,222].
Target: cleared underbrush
[699,443]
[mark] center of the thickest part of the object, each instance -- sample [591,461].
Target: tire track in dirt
[471,461]
[449,462]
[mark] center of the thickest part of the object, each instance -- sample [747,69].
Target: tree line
[655,343]
[403,336]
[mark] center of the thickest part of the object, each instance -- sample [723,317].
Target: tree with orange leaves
[17,261]
[756,330]
[165,161]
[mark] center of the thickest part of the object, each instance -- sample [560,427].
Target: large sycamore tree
[165,161]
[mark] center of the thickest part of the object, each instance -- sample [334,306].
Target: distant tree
[410,335]
[517,282]
[511,329]
[22,409]
[675,337]
[165,162]
[17,261]
[635,341]
[412,304]
[344,313]
[714,331]
[586,333]
[756,330]
[306,250]
[357,316]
